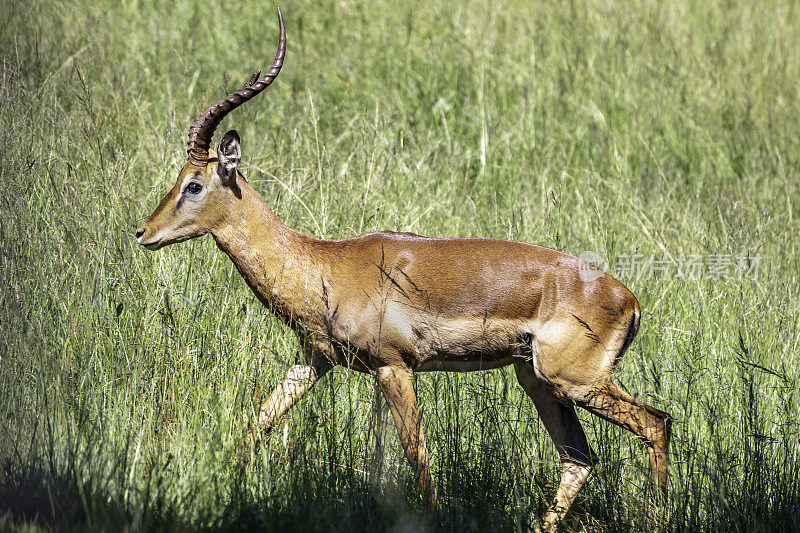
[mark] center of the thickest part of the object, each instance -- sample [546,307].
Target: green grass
[127,377]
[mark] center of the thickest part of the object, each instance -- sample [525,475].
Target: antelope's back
[469,277]
[464,298]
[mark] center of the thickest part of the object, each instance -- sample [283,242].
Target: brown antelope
[391,304]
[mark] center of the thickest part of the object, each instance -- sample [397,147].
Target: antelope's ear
[229,153]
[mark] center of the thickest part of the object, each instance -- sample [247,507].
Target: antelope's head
[206,190]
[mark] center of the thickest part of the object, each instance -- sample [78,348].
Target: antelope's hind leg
[610,402]
[397,386]
[298,380]
[561,422]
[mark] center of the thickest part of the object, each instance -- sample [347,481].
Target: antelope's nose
[139,232]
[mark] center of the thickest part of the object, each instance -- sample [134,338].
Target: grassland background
[127,377]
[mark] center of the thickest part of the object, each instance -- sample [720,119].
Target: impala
[391,304]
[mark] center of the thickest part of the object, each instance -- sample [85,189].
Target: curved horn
[202,130]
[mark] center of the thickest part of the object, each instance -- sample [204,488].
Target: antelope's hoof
[549,523]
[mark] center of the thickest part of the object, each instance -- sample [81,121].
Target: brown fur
[394,303]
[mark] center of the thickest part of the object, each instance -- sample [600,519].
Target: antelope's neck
[278,263]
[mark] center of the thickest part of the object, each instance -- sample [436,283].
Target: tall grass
[127,378]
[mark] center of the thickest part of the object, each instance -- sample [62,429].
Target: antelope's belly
[470,365]
[464,344]
[429,342]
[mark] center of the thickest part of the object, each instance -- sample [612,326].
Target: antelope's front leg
[398,388]
[298,380]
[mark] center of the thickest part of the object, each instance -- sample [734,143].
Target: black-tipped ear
[229,153]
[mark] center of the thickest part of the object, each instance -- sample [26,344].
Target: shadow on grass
[318,501]
[31,495]
[35,496]
[39,496]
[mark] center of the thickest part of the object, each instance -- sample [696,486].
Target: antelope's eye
[193,188]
